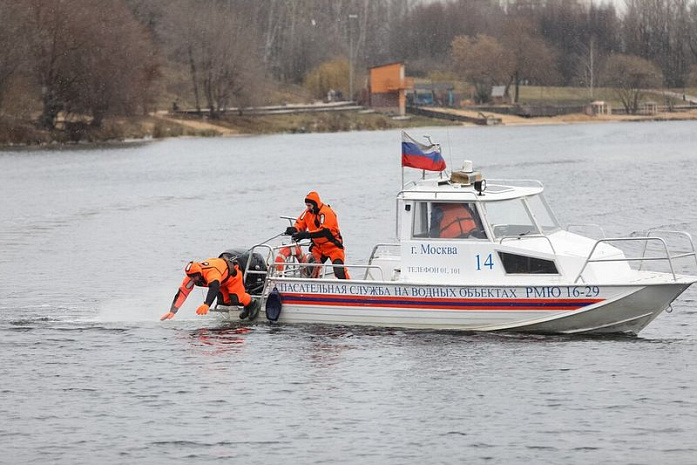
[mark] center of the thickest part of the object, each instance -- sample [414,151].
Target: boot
[251,311]
[245,312]
[254,307]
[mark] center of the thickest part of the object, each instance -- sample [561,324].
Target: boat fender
[273,305]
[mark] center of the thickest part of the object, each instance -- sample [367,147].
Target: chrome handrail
[377,246]
[516,182]
[667,257]
[400,194]
[679,233]
[271,263]
[270,255]
[372,254]
[324,267]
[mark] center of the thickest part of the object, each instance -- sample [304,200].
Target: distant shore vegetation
[74,70]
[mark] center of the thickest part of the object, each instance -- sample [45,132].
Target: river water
[92,246]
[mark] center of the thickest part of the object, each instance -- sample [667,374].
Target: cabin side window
[447,220]
[520,264]
[421,215]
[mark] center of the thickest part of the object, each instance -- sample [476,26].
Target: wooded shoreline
[165,125]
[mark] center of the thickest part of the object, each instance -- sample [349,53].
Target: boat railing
[374,252]
[270,258]
[667,257]
[668,232]
[294,268]
[516,182]
[401,193]
[378,247]
[569,227]
[499,182]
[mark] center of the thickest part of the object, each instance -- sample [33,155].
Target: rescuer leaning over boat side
[319,223]
[226,285]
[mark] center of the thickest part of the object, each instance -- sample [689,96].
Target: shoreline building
[387,88]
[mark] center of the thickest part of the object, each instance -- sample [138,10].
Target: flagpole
[401,160]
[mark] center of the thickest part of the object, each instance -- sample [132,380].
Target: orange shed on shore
[387,88]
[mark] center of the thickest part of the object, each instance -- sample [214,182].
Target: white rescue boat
[512,267]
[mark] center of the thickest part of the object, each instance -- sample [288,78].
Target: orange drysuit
[456,220]
[322,228]
[214,274]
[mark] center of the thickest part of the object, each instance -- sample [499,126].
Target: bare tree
[90,58]
[660,31]
[531,58]
[483,61]
[589,65]
[691,36]
[12,44]
[52,42]
[692,76]
[428,30]
[630,77]
[219,47]
[115,73]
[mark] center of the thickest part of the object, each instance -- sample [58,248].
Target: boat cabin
[468,229]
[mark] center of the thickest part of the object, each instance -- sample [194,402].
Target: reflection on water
[221,340]
[94,242]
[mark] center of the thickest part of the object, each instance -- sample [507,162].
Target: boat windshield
[543,214]
[510,218]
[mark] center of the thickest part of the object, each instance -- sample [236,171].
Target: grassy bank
[320,122]
[582,95]
[14,132]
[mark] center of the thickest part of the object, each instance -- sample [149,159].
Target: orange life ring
[286,253]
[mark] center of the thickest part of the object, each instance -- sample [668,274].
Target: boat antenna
[264,242]
[450,147]
[440,149]
[431,143]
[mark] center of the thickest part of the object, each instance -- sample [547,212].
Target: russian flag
[423,157]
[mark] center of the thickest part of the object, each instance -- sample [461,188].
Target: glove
[167,316]
[202,310]
[290,231]
[299,236]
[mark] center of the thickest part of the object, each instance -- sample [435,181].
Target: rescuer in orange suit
[223,279]
[318,223]
[453,220]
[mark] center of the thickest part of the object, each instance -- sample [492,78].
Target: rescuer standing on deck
[223,279]
[318,223]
